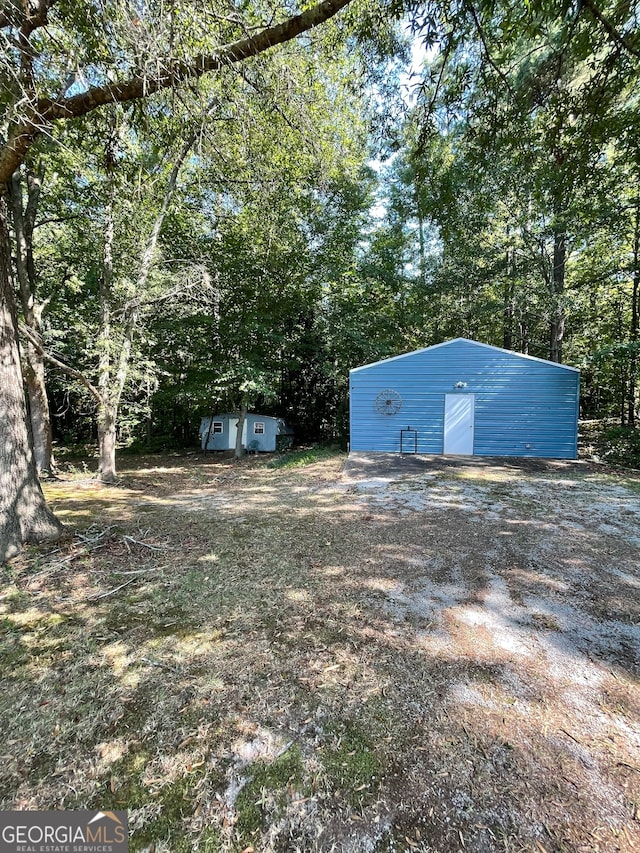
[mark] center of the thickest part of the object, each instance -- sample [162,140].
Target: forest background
[241,239]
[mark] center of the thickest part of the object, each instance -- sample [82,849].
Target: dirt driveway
[522,577]
[417,654]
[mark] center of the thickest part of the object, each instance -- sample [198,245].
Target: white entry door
[233,433]
[458,424]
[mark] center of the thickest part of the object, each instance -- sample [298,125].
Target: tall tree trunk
[24,515]
[508,308]
[107,410]
[107,422]
[34,371]
[523,334]
[242,416]
[557,294]
[39,411]
[635,319]
[622,365]
[419,189]
[111,381]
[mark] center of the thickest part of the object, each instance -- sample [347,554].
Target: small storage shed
[260,432]
[463,397]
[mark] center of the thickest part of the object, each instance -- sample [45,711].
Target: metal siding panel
[249,435]
[266,441]
[220,440]
[476,344]
[518,401]
[270,431]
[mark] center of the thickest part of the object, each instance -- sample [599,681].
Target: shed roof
[248,415]
[466,341]
[284,426]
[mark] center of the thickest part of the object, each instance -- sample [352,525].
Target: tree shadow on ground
[453,674]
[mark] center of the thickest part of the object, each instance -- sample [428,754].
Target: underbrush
[603,441]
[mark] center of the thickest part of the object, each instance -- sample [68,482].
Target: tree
[24,515]
[115,356]
[24,223]
[143,57]
[269,143]
[525,100]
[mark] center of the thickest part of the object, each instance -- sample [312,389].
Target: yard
[408,656]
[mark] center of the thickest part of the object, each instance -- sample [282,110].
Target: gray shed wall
[265,442]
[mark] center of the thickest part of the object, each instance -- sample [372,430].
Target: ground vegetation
[427,655]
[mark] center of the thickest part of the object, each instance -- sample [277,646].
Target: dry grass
[285,659]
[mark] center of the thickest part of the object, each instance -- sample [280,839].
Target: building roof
[248,415]
[466,341]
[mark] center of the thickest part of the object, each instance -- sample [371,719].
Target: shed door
[233,432]
[458,424]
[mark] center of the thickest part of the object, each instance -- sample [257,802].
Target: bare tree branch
[47,110]
[611,31]
[487,52]
[70,371]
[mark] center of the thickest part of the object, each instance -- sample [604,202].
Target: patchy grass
[352,764]
[264,796]
[286,659]
[129,785]
[308,456]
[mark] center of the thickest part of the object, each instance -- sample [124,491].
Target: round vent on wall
[388,402]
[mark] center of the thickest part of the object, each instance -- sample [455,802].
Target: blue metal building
[463,397]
